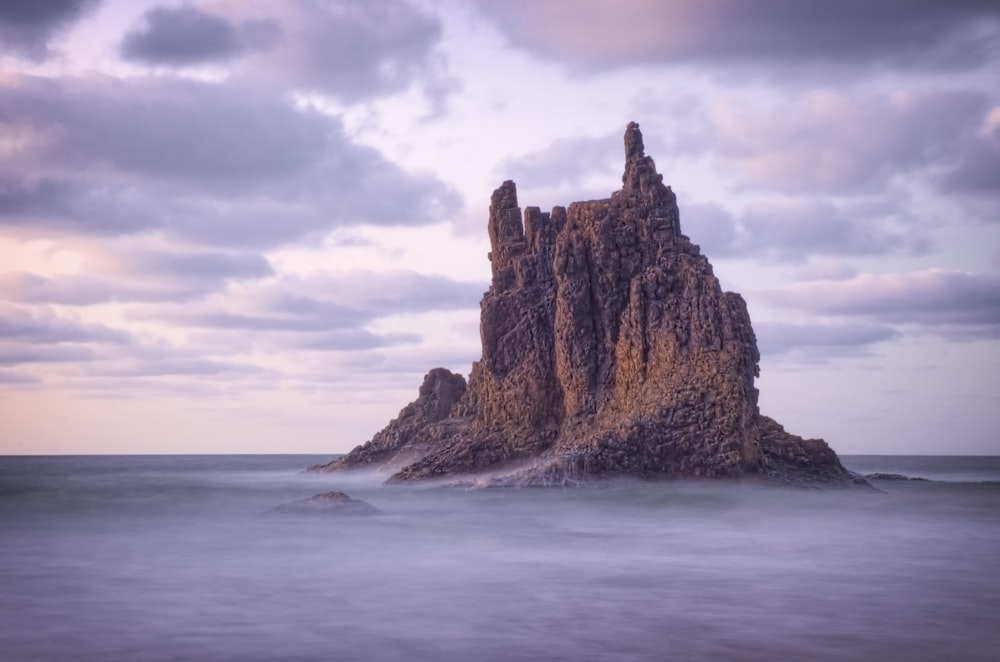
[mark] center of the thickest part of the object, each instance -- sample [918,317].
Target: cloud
[398,292]
[137,276]
[28,26]
[950,302]
[196,264]
[186,35]
[73,290]
[20,354]
[40,337]
[322,317]
[166,365]
[218,164]
[414,360]
[343,303]
[356,339]
[794,229]
[352,51]
[977,168]
[820,340]
[260,325]
[41,326]
[566,161]
[18,378]
[782,34]
[826,269]
[830,142]
[164,126]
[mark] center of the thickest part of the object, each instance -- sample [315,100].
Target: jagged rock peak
[609,348]
[640,170]
[636,161]
[634,148]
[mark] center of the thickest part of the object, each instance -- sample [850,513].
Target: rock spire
[609,348]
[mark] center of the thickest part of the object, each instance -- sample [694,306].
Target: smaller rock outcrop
[420,425]
[332,503]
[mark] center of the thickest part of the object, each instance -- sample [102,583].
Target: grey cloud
[395,292]
[337,305]
[186,35]
[826,269]
[836,143]
[565,161]
[83,203]
[781,34]
[286,312]
[793,230]
[28,26]
[19,355]
[45,327]
[198,264]
[24,287]
[178,365]
[165,127]
[827,339]
[977,169]
[358,50]
[138,276]
[713,227]
[332,317]
[418,360]
[137,387]
[18,378]
[953,303]
[822,141]
[356,339]
[224,165]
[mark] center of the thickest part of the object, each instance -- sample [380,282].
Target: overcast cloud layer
[212,209]
[756,37]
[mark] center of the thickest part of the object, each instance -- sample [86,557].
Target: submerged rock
[609,348]
[891,476]
[336,503]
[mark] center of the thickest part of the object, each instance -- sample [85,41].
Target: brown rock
[421,423]
[608,348]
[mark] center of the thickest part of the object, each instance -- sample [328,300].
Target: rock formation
[329,503]
[609,348]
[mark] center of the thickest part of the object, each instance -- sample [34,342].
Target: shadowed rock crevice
[609,348]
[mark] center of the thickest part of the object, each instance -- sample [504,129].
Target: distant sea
[186,558]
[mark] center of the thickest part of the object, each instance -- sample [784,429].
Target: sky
[252,226]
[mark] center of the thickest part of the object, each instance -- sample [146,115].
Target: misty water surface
[184,558]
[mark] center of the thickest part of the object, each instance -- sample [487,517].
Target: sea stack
[609,348]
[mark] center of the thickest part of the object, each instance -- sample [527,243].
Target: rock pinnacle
[608,348]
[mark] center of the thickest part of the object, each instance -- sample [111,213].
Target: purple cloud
[218,164]
[359,50]
[186,35]
[794,229]
[829,142]
[784,35]
[820,340]
[28,26]
[950,302]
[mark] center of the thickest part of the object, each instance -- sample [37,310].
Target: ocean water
[185,558]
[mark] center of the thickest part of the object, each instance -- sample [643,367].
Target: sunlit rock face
[609,348]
